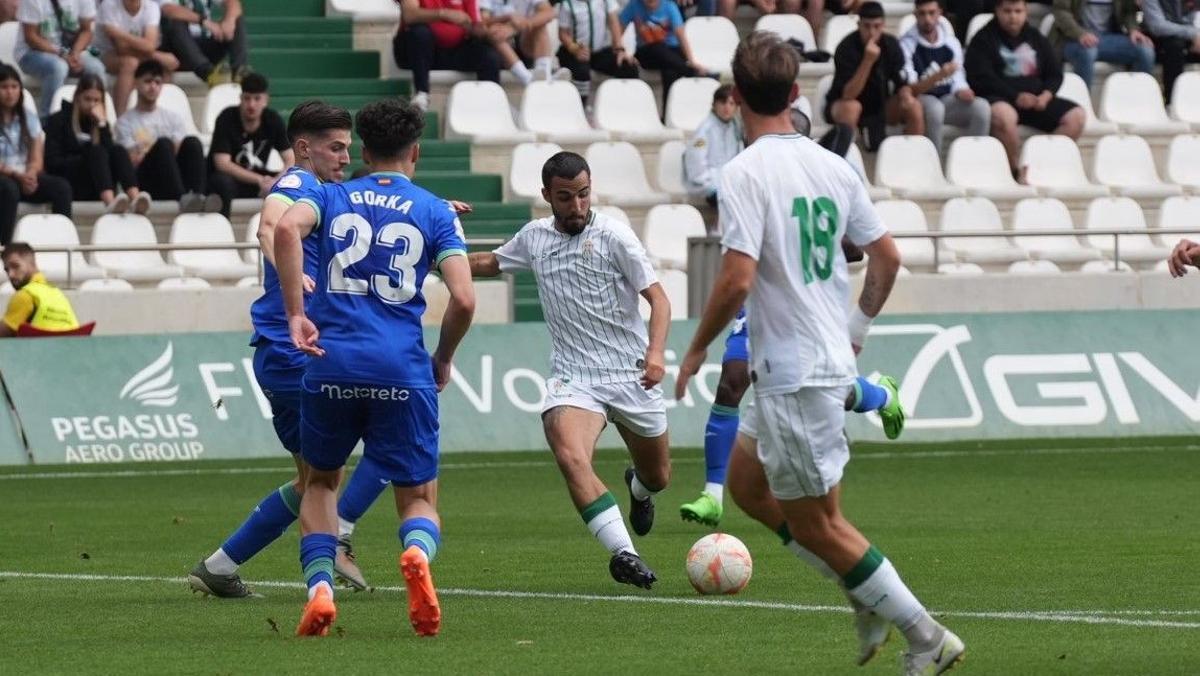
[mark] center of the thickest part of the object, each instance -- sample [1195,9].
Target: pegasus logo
[153,386]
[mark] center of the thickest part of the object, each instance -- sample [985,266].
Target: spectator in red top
[442,34]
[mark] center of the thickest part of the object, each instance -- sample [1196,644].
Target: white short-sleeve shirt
[41,12]
[787,202]
[587,21]
[112,13]
[138,130]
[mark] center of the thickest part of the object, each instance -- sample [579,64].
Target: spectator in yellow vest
[36,302]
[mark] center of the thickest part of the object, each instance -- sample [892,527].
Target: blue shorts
[398,427]
[737,345]
[279,374]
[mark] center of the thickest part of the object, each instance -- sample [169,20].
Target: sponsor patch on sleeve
[291,181]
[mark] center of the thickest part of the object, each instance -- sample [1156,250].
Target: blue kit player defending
[369,377]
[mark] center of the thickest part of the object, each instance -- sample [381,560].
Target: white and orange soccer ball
[719,564]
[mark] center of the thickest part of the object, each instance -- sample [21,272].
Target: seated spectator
[869,91]
[22,143]
[716,141]
[518,30]
[590,39]
[53,43]
[446,35]
[933,63]
[169,163]
[36,302]
[1101,30]
[80,148]
[202,33]
[1014,67]
[662,44]
[243,138]
[1175,35]
[128,35]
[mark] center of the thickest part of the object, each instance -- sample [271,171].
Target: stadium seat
[1040,213]
[979,164]
[910,167]
[1185,99]
[906,216]
[553,111]
[977,213]
[670,170]
[1074,89]
[183,284]
[1180,212]
[29,331]
[626,109]
[820,94]
[713,40]
[28,102]
[959,269]
[479,111]
[855,158]
[1183,162]
[1134,101]
[795,27]
[175,99]
[525,173]
[248,282]
[1105,267]
[668,227]
[977,23]
[1035,267]
[1126,164]
[1054,167]
[224,264]
[1122,212]
[252,255]
[218,99]
[1046,24]
[366,10]
[105,286]
[614,212]
[67,93]
[8,44]
[43,231]
[136,266]
[618,176]
[675,285]
[689,102]
[836,28]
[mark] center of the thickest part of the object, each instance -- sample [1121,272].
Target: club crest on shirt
[588,247]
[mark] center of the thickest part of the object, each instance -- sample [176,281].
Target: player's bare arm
[729,293]
[456,273]
[883,263]
[484,264]
[660,323]
[296,224]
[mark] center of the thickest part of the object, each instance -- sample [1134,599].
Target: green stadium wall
[964,377]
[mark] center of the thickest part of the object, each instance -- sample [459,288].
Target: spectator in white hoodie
[716,141]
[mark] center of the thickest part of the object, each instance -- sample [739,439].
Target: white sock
[345,528]
[824,569]
[522,73]
[639,489]
[609,529]
[887,595]
[312,591]
[717,491]
[220,563]
[544,63]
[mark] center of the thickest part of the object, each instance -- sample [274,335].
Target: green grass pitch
[1045,559]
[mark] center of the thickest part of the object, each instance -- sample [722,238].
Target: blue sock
[316,558]
[868,396]
[423,533]
[270,519]
[361,491]
[719,435]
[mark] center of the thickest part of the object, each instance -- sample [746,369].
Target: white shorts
[801,440]
[629,405]
[748,422]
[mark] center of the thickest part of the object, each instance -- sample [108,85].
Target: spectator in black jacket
[1014,67]
[80,148]
[243,138]
[1175,36]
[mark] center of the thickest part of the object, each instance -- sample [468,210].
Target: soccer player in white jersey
[605,365]
[786,203]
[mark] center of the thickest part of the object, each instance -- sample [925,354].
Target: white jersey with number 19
[787,202]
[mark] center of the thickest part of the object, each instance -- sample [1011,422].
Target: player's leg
[641,419]
[883,397]
[719,434]
[420,537]
[365,485]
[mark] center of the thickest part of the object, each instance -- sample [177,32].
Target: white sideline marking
[509,464]
[1060,616]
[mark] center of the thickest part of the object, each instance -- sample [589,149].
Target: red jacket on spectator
[445,34]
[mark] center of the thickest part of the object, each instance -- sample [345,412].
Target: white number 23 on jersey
[403,236]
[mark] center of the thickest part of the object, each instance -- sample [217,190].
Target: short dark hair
[254,83]
[315,117]
[918,3]
[764,70]
[389,127]
[1009,2]
[17,249]
[870,10]
[564,164]
[149,67]
[722,93]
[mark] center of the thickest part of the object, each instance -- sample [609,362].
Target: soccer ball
[719,564]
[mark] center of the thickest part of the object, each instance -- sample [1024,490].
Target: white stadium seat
[618,176]
[249,282]
[979,164]
[1034,214]
[959,269]
[1105,267]
[106,286]
[525,175]
[911,168]
[626,109]
[252,255]
[1126,164]
[1074,89]
[218,99]
[689,102]
[479,111]
[713,40]
[670,169]
[855,158]
[837,27]
[977,23]
[184,284]
[1180,212]
[668,227]
[1035,267]
[675,285]
[1185,100]
[42,231]
[977,213]
[67,93]
[28,102]
[1134,101]
[795,27]
[175,99]
[1123,212]
[224,264]
[1054,166]
[906,216]
[366,10]
[614,212]
[1183,162]
[820,94]
[137,266]
[553,111]
[8,43]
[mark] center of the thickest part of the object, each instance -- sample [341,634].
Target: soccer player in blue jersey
[370,377]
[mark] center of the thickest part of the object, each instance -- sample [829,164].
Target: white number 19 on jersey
[404,236]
